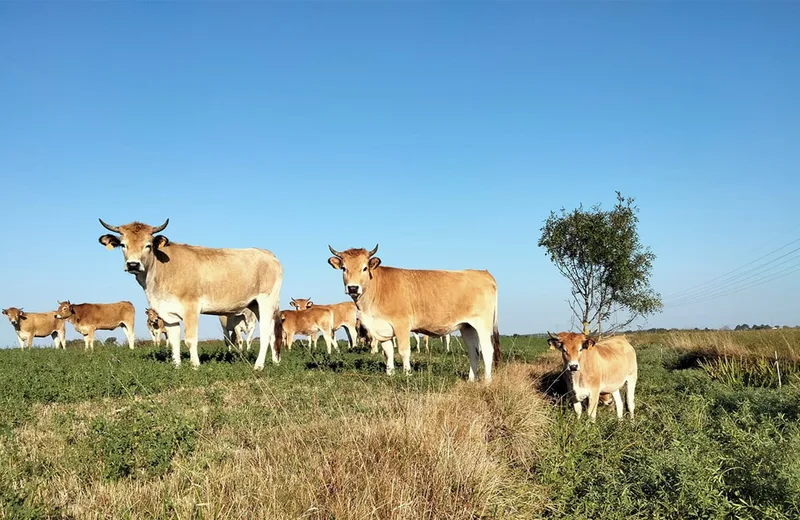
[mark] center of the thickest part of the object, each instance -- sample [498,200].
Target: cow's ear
[22,315]
[590,342]
[309,303]
[553,342]
[335,262]
[110,241]
[293,304]
[160,241]
[5,311]
[71,309]
[374,262]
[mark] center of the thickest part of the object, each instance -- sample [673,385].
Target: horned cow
[29,325]
[596,367]
[442,302]
[90,317]
[182,282]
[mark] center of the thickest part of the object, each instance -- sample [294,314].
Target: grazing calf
[597,367]
[239,328]
[442,302]
[90,317]
[308,322]
[344,315]
[29,325]
[156,326]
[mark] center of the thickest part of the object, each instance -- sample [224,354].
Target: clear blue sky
[444,131]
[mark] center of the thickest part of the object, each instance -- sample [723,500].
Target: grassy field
[121,434]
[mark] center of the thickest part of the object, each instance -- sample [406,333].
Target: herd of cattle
[389,304]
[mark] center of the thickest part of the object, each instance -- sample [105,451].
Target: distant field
[120,434]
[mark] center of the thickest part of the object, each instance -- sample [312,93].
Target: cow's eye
[123,246]
[364,270]
[344,269]
[148,247]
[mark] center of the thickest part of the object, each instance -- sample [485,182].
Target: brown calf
[308,322]
[29,325]
[596,367]
[156,326]
[90,317]
[344,315]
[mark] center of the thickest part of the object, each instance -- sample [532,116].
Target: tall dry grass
[753,344]
[459,453]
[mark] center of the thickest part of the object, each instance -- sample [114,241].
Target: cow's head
[571,345]
[357,267]
[152,315]
[139,243]
[65,310]
[301,303]
[15,316]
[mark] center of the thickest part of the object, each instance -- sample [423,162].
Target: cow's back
[42,323]
[431,298]
[611,360]
[221,275]
[105,314]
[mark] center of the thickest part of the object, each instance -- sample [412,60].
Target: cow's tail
[495,337]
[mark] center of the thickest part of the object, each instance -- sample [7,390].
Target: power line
[780,274]
[727,277]
[738,279]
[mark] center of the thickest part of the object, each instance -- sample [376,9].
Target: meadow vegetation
[116,433]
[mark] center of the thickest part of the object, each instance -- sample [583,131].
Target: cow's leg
[594,400]
[267,305]
[427,343]
[131,335]
[30,340]
[472,343]
[90,337]
[416,338]
[174,339]
[191,319]
[576,405]
[618,403]
[312,340]
[86,342]
[21,342]
[54,335]
[61,339]
[487,352]
[629,391]
[326,335]
[446,341]
[388,350]
[373,348]
[404,348]
[351,335]
[250,336]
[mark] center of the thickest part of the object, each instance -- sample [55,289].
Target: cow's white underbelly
[378,328]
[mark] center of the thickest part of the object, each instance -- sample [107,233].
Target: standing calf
[156,326]
[90,317]
[29,325]
[239,328]
[344,315]
[597,367]
[308,322]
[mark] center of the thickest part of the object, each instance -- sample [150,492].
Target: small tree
[600,254]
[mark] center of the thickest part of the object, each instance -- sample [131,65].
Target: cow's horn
[115,229]
[552,335]
[374,250]
[335,252]
[161,227]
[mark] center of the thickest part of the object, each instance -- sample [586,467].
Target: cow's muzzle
[133,267]
[353,290]
[573,367]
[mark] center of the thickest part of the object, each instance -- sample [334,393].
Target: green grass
[120,433]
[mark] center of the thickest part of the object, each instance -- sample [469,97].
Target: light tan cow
[29,325]
[344,316]
[239,328]
[90,317]
[596,367]
[155,325]
[182,282]
[308,322]
[396,302]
